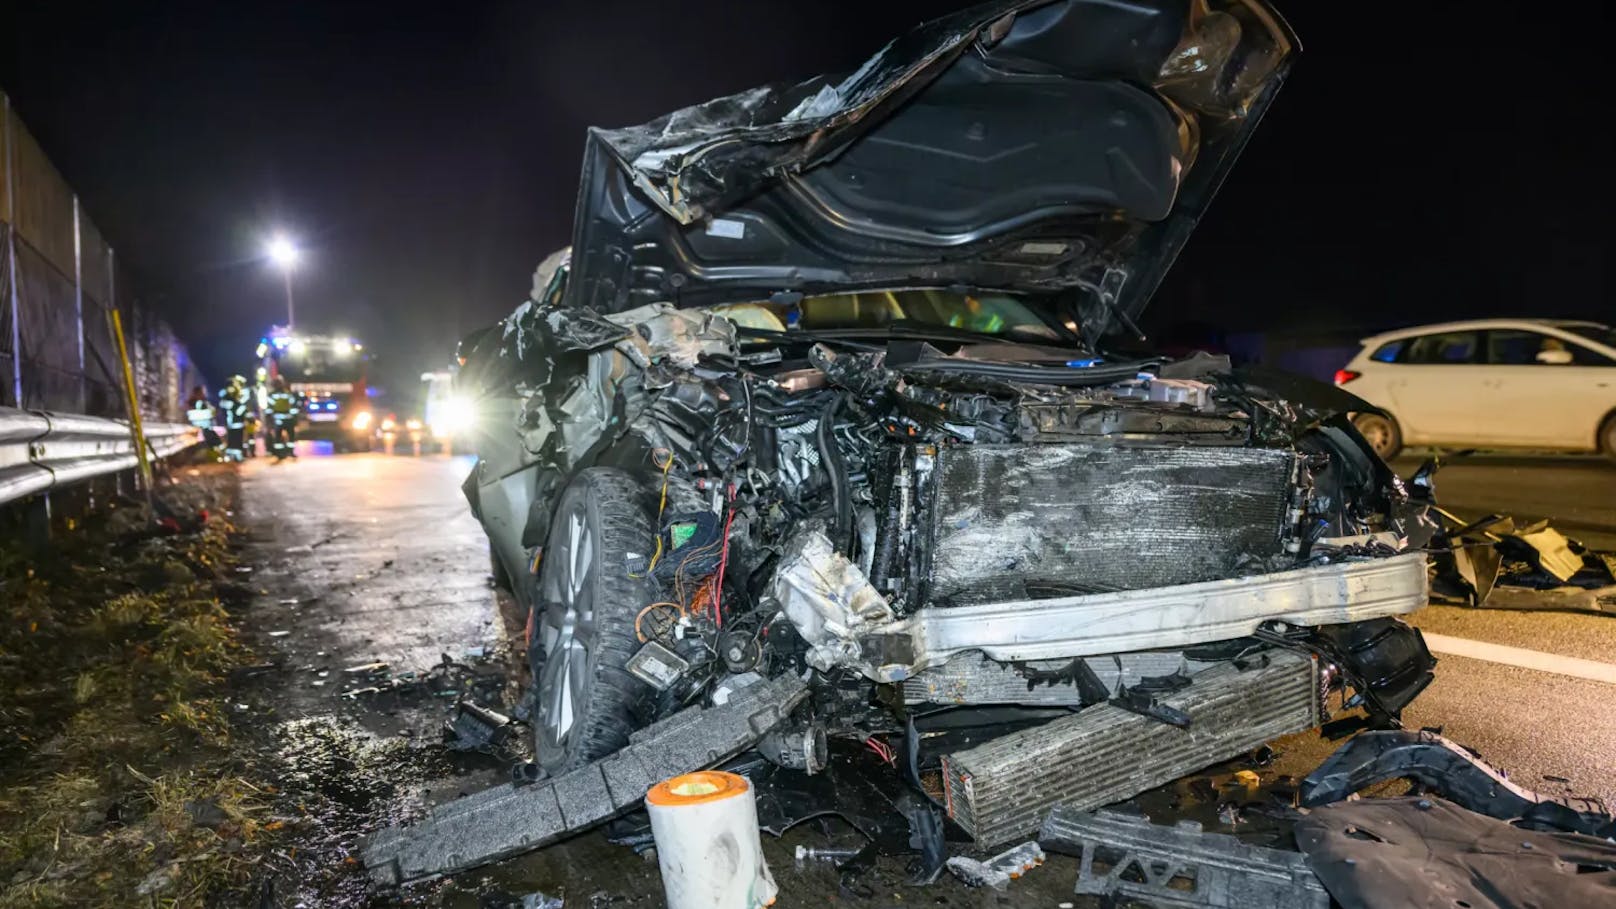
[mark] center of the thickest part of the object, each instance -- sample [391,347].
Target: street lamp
[284,254]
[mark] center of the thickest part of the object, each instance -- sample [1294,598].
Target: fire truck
[329,372]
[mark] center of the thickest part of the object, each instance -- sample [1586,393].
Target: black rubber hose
[831,455]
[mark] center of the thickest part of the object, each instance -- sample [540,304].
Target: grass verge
[117,782]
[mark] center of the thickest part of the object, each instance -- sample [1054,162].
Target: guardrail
[41,451]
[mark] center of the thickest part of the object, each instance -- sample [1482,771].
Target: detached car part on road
[823,389]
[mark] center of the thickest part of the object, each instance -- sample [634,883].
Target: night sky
[1422,164]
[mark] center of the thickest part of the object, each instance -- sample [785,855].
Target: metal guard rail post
[41,451]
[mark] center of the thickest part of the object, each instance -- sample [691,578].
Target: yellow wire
[666,457]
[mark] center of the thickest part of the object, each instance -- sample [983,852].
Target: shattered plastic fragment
[999,871]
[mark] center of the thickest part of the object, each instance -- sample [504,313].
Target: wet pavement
[370,559]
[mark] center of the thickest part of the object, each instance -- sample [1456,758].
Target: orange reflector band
[696,788]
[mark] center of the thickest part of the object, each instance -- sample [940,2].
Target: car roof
[1478,324]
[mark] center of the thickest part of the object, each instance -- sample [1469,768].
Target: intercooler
[1002,789]
[1027,521]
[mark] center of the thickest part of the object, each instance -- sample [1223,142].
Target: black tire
[589,640]
[1607,438]
[1381,432]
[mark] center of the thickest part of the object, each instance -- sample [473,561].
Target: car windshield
[321,363]
[983,313]
[1600,334]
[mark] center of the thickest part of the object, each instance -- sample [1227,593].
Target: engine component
[657,666]
[1386,658]
[510,819]
[1003,788]
[1145,859]
[739,650]
[805,748]
[827,598]
[1024,521]
[973,679]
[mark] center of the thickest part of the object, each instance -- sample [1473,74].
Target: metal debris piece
[1144,860]
[508,820]
[473,727]
[1427,853]
[1002,789]
[542,901]
[999,871]
[807,855]
[1452,770]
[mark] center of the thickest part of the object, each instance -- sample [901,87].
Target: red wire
[723,561]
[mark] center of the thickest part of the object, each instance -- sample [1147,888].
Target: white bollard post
[707,843]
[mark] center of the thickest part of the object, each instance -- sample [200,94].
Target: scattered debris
[542,901]
[1178,866]
[279,633]
[473,727]
[1490,563]
[511,819]
[1428,852]
[807,855]
[1453,771]
[999,871]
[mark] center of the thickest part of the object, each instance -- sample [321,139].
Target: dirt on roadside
[120,780]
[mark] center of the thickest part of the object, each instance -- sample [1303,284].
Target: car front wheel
[588,597]
[1381,433]
[1607,437]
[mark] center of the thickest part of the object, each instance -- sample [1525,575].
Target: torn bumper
[1156,619]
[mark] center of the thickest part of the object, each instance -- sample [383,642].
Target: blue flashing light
[282,342]
[1085,364]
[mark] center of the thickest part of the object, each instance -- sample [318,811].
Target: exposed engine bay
[934,523]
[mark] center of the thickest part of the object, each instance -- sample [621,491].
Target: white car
[1541,384]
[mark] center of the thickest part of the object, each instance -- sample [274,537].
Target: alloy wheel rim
[568,616]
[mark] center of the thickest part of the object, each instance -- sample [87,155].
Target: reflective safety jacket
[284,407]
[235,406]
[200,414]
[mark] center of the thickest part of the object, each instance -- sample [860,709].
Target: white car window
[1448,348]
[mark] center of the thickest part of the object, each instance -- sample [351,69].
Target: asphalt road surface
[373,558]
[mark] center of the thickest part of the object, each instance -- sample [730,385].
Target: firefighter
[283,409]
[235,403]
[199,412]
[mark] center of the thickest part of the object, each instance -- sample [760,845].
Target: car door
[1550,392]
[1436,389]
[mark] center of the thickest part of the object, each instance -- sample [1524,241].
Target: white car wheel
[1381,433]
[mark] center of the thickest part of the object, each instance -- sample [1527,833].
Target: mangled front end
[1179,548]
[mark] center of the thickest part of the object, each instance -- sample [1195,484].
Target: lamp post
[284,254]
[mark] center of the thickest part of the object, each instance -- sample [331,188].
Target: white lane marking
[1525,659]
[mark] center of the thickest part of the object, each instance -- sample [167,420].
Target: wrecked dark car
[831,388]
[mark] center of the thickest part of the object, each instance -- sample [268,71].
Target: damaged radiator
[973,679]
[1021,521]
[1004,788]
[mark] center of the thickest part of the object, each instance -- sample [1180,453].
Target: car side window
[1587,356]
[1448,348]
[1517,348]
[1387,353]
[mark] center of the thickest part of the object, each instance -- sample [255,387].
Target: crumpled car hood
[1060,147]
